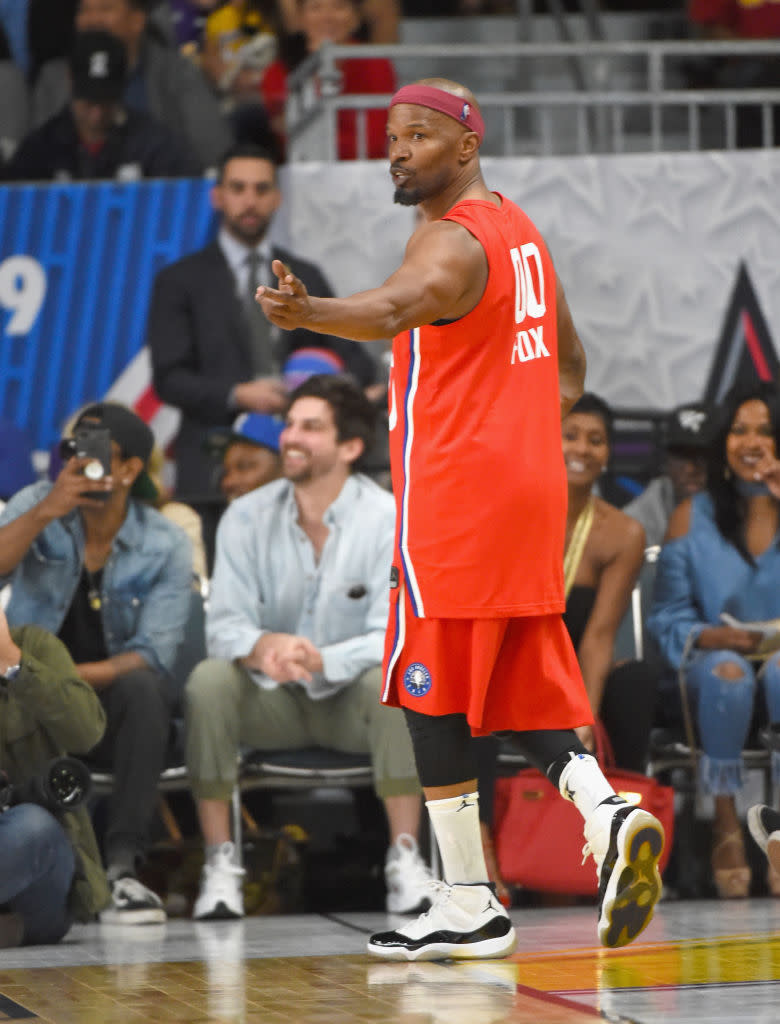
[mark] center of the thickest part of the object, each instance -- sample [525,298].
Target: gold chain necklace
[93,589]
[579,538]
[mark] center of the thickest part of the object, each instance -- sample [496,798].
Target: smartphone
[94,443]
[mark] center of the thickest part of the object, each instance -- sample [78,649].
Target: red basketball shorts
[517,673]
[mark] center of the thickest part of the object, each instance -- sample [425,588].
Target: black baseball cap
[689,427]
[132,435]
[98,67]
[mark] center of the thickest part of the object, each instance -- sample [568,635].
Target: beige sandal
[731,883]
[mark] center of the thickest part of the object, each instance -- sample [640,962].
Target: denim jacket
[145,591]
[701,575]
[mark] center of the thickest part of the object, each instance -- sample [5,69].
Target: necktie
[260,330]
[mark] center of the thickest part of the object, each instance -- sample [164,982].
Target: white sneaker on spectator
[221,894]
[133,903]
[408,878]
[465,922]
[626,843]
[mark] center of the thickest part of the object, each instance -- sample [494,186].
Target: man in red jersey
[485,362]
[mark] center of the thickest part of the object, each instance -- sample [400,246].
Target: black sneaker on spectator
[133,903]
[764,825]
[465,922]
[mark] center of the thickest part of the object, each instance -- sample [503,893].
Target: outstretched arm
[443,276]
[571,355]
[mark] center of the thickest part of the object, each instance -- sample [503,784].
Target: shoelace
[440,892]
[227,866]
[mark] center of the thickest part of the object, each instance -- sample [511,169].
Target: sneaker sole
[635,883]
[221,912]
[485,949]
[147,915]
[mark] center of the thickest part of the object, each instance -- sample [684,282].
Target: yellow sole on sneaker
[634,885]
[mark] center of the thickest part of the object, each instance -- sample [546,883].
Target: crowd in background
[134,89]
[196,75]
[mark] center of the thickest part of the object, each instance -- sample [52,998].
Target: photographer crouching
[50,870]
[91,562]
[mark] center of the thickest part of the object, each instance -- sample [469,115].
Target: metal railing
[625,97]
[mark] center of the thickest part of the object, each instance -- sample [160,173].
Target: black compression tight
[447,754]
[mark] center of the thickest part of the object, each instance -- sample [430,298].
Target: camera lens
[93,470]
[68,782]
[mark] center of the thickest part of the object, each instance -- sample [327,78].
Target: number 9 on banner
[22,291]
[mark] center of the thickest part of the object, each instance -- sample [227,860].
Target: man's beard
[252,237]
[408,197]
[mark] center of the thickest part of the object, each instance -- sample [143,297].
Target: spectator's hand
[728,638]
[10,654]
[72,489]
[288,306]
[586,737]
[266,394]
[285,658]
[768,470]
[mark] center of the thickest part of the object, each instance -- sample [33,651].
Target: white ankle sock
[583,783]
[456,824]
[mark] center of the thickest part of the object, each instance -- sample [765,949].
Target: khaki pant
[226,711]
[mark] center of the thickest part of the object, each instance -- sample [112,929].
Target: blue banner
[77,263]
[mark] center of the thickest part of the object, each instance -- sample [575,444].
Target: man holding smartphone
[111,577]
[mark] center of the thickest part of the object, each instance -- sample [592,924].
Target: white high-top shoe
[465,922]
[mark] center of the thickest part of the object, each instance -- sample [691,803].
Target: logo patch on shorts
[417,679]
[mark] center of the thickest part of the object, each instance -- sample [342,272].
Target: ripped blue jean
[723,712]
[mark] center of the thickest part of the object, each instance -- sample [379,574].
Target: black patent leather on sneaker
[495,928]
[612,851]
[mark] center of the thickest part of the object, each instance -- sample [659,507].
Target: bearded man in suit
[214,354]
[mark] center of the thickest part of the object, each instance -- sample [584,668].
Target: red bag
[539,836]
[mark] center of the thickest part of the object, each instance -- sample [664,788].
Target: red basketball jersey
[475,437]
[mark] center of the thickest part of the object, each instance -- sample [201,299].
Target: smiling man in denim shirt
[111,577]
[295,630]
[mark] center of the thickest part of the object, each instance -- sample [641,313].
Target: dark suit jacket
[200,349]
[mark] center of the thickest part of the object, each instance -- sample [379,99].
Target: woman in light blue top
[722,556]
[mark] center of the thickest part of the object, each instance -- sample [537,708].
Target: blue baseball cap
[305,362]
[256,428]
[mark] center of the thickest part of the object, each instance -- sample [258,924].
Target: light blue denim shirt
[145,590]
[266,579]
[701,575]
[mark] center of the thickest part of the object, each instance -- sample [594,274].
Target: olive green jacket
[47,711]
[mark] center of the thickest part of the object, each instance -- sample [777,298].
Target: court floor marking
[11,1010]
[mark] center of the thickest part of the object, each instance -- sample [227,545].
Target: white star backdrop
[647,247]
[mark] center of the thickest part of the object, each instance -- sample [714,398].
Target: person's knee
[370,685]
[141,692]
[207,687]
[732,671]
[36,824]
[42,838]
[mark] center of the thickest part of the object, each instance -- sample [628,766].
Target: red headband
[437,99]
